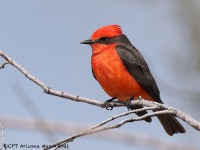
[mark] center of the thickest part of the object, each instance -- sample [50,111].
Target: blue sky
[44,35]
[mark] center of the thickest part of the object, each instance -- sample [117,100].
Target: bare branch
[121,115]
[185,117]
[98,127]
[178,113]
[45,88]
[164,109]
[116,136]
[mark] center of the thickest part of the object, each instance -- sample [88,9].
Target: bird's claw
[128,103]
[107,104]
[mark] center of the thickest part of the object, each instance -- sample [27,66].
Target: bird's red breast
[112,74]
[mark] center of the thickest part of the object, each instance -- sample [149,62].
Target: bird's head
[105,35]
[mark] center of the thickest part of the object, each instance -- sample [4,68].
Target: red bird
[123,73]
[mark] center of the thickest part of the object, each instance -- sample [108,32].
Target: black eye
[103,38]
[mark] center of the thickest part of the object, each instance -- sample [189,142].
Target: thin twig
[114,136]
[121,115]
[98,128]
[3,65]
[178,113]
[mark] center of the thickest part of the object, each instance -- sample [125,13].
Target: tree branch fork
[149,105]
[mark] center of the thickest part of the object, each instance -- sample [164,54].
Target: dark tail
[171,124]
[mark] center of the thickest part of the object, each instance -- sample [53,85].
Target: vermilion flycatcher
[123,73]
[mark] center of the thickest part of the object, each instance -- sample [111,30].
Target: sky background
[44,37]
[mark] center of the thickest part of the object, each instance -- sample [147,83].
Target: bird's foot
[107,103]
[128,103]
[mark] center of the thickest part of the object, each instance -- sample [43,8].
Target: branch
[178,113]
[121,115]
[185,117]
[45,88]
[99,127]
[164,109]
[117,136]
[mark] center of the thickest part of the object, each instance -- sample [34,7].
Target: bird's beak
[87,42]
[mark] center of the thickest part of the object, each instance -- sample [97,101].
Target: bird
[123,73]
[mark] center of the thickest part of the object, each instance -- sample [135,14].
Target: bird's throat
[99,48]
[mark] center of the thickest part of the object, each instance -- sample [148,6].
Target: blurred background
[44,35]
